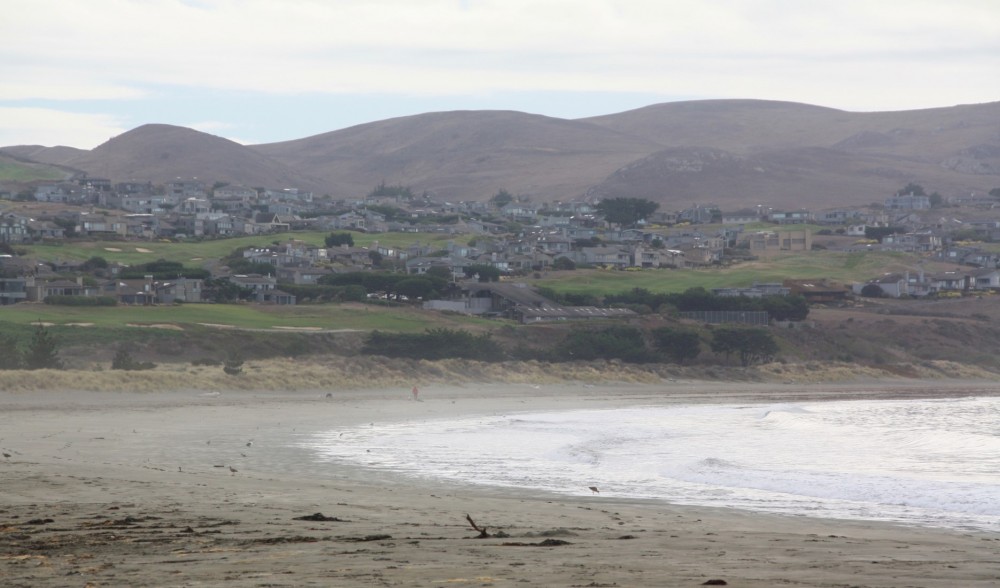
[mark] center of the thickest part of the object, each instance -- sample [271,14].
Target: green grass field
[12,171]
[245,316]
[834,266]
[195,253]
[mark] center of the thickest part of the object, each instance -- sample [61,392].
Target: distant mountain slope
[15,171]
[731,152]
[52,155]
[806,155]
[465,155]
[162,153]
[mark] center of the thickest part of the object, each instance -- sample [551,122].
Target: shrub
[206,361]
[233,365]
[42,351]
[676,344]
[617,342]
[752,345]
[123,360]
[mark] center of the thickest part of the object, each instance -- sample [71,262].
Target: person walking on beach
[415,393]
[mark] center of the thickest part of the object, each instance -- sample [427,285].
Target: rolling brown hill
[466,155]
[162,153]
[731,152]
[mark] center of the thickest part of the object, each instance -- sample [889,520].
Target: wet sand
[137,489]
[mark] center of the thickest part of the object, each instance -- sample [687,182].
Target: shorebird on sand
[594,489]
[233,470]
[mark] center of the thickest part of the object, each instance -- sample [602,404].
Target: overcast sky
[257,71]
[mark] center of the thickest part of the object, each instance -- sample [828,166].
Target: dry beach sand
[137,489]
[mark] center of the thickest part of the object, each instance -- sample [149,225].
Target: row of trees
[781,308]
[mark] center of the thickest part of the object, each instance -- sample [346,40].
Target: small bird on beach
[233,470]
[249,443]
[6,455]
[594,489]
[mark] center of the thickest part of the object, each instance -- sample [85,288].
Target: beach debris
[594,489]
[715,583]
[319,517]
[250,443]
[482,530]
[545,543]
[329,395]
[365,538]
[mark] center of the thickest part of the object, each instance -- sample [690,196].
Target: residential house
[182,189]
[790,217]
[608,256]
[894,285]
[178,290]
[301,275]
[908,202]
[13,290]
[265,288]
[741,217]
[14,229]
[784,240]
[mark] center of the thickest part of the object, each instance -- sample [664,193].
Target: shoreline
[134,488]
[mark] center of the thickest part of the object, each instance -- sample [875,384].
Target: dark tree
[786,308]
[338,239]
[486,272]
[415,288]
[915,189]
[676,344]
[42,351]
[752,345]
[94,263]
[563,263]
[879,233]
[617,342]
[626,211]
[440,271]
[502,198]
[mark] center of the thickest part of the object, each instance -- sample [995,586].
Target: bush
[676,344]
[124,361]
[618,342]
[42,351]
[233,365]
[206,361]
[752,345]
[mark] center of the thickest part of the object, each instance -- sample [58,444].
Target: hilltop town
[507,234]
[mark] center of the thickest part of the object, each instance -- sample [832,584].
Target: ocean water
[924,462]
